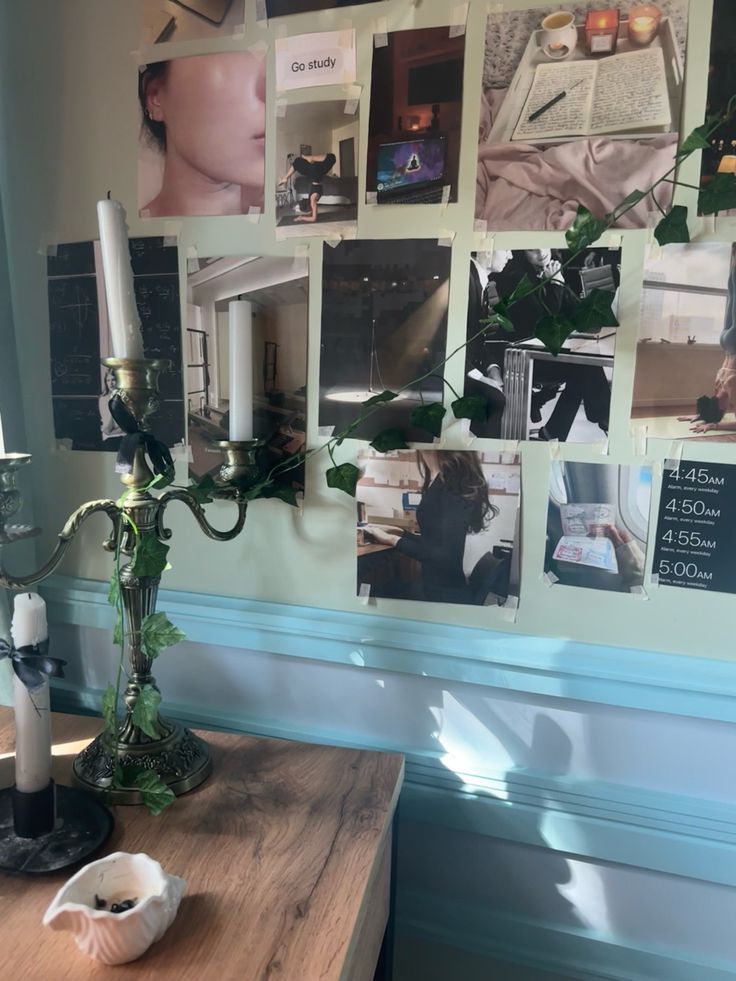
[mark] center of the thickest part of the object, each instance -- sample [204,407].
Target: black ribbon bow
[31,663]
[158,452]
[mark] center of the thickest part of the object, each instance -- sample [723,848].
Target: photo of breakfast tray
[516,97]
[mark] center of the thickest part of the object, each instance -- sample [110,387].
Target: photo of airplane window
[384,324]
[416,108]
[530,393]
[255,306]
[598,525]
[721,157]
[439,526]
[685,378]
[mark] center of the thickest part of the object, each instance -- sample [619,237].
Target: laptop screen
[410,163]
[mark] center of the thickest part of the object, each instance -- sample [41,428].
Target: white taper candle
[122,311]
[32,709]
[241,370]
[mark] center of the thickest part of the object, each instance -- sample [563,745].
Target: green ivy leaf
[162,480]
[390,439]
[117,630]
[595,311]
[499,319]
[109,710]
[385,396]
[202,491]
[695,141]
[158,633]
[149,556]
[344,478]
[673,227]
[585,230]
[523,288]
[719,194]
[155,793]
[429,416]
[282,492]
[470,407]
[113,593]
[145,712]
[553,330]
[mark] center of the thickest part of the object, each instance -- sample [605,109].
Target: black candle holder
[51,829]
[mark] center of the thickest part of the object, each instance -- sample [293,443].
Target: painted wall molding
[656,682]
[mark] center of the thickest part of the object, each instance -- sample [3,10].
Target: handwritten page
[619,94]
[630,93]
[569,116]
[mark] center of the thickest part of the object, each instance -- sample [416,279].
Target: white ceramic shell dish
[116,938]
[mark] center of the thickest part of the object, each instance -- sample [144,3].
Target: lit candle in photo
[601,31]
[122,310]
[644,23]
[32,708]
[241,370]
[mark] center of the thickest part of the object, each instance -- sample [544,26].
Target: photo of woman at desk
[529,393]
[439,526]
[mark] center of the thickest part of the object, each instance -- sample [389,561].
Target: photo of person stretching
[314,167]
[452,507]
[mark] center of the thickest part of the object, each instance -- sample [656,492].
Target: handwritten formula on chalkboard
[80,386]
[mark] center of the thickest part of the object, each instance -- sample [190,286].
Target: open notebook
[582,542]
[618,94]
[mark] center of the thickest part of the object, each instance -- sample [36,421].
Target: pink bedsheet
[521,187]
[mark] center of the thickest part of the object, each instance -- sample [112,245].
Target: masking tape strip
[675,453]
[254,214]
[170,241]
[380,33]
[654,249]
[192,252]
[238,30]
[615,241]
[709,224]
[346,37]
[281,107]
[192,264]
[364,593]
[466,436]
[333,240]
[261,12]
[511,446]
[281,33]
[301,251]
[639,435]
[601,446]
[495,8]
[48,244]
[371,197]
[458,19]
[351,106]
[182,452]
[324,432]
[445,196]
[144,213]
[638,592]
[554,449]
[480,226]
[446,237]
[657,469]
[64,445]
[511,609]
[549,578]
[172,229]
[654,580]
[259,48]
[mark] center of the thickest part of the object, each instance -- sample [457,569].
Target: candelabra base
[82,826]
[181,759]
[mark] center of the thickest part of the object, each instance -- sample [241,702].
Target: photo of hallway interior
[277,289]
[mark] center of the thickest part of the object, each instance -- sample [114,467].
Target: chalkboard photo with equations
[79,336]
[696,531]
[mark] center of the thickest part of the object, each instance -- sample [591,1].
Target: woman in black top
[315,167]
[454,504]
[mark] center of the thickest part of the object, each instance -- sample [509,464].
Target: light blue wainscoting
[523,858]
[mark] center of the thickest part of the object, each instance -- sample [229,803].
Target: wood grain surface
[285,850]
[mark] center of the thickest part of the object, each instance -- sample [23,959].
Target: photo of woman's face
[213,107]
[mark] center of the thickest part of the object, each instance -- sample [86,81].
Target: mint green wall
[70,124]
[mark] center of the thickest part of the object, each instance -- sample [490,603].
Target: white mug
[559,36]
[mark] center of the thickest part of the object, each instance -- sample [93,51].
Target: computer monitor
[410,163]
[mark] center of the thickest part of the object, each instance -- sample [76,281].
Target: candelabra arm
[67,533]
[176,494]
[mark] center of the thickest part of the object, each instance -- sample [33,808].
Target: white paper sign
[315,59]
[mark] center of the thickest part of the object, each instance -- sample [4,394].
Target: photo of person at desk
[451,540]
[529,393]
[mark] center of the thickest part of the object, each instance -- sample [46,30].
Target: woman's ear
[153,101]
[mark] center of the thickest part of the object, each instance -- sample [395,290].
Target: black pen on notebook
[552,102]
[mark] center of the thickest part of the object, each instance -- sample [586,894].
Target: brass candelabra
[181,759]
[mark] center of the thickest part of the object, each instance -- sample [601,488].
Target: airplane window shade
[557,486]
[634,497]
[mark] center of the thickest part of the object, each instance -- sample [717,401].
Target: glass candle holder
[601,31]
[644,20]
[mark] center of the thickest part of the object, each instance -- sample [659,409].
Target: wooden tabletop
[283,849]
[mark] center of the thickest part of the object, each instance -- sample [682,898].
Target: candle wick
[109,195]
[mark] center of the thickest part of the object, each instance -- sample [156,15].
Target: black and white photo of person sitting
[572,386]
[455,503]
[315,167]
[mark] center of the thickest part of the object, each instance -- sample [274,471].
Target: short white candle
[122,311]
[241,370]
[32,709]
